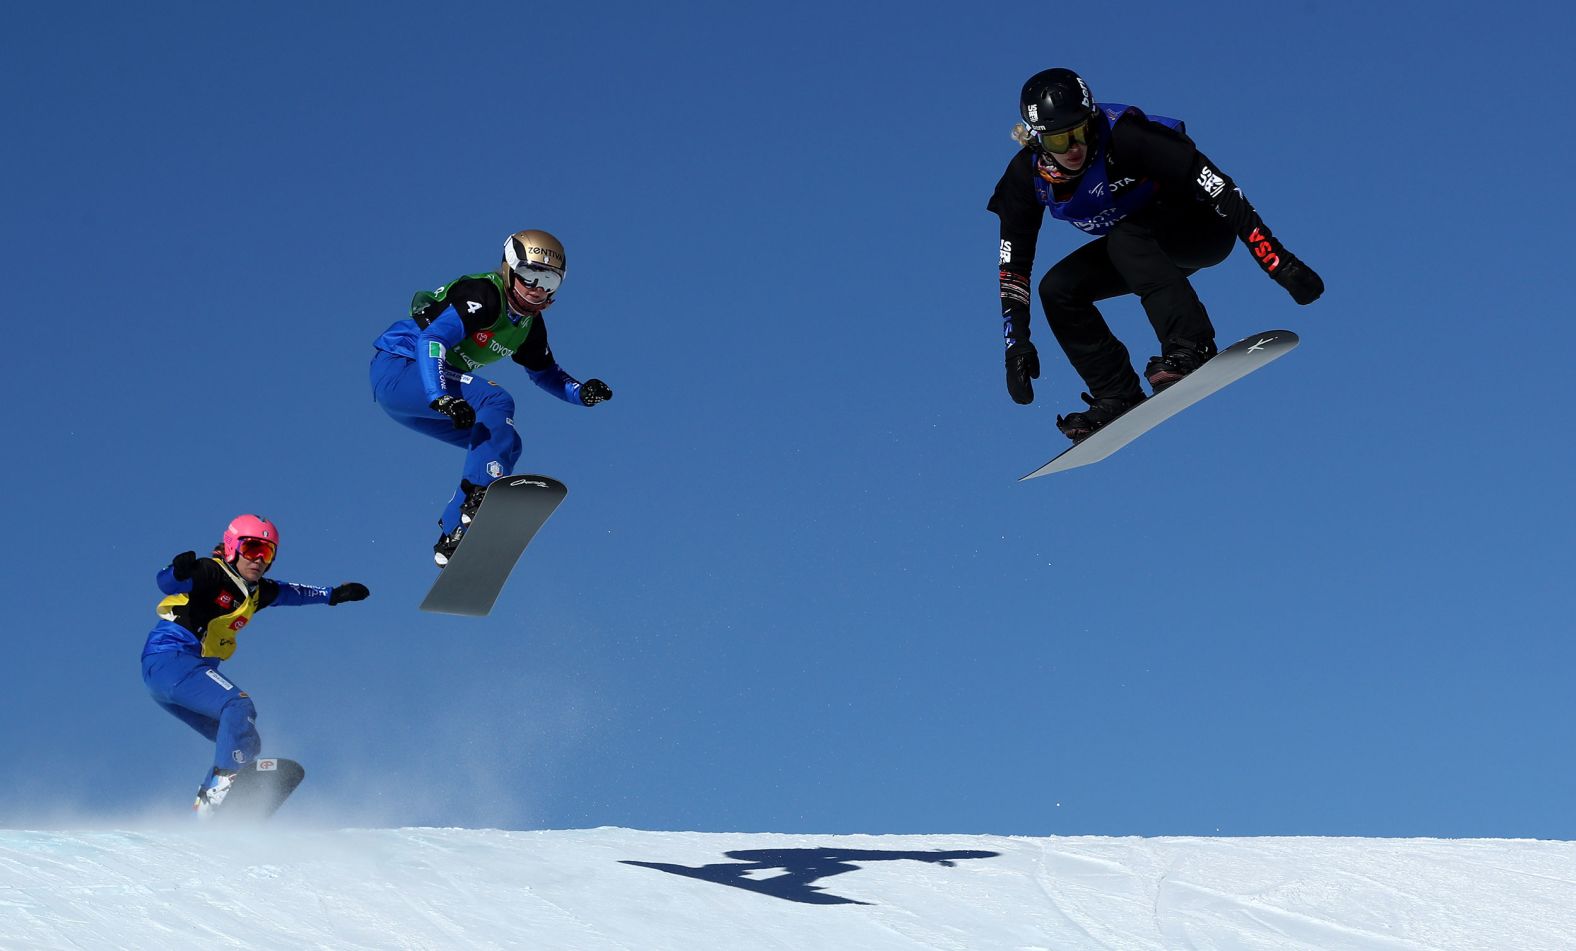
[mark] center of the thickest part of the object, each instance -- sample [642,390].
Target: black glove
[182,565]
[1023,365]
[1300,282]
[593,392]
[456,409]
[354,591]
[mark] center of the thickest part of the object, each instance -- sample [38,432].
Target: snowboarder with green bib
[426,371]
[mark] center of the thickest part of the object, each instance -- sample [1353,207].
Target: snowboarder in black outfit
[1160,210]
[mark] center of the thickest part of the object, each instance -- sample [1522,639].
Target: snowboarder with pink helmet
[207,603]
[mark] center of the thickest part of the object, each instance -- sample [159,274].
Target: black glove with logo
[456,409]
[593,392]
[182,565]
[1300,281]
[1023,365]
[354,591]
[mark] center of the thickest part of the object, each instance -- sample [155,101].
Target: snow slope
[284,887]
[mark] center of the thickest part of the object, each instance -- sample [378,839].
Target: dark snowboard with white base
[1226,367]
[259,790]
[512,510]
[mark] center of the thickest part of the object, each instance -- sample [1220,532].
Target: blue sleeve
[432,346]
[292,595]
[169,585]
[555,381]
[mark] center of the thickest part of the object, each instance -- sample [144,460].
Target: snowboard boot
[447,543]
[473,500]
[1077,426]
[1175,364]
[213,792]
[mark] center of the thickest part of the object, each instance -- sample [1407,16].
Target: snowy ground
[283,887]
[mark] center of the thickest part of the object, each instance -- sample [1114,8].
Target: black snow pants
[1150,253]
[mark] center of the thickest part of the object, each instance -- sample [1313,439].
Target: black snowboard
[259,790]
[510,514]
[1228,366]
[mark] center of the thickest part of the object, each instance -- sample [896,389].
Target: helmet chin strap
[1053,171]
[521,308]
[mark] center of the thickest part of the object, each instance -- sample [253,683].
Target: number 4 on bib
[512,511]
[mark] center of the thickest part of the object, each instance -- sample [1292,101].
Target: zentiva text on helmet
[1264,250]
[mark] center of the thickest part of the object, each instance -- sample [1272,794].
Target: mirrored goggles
[257,549]
[1058,143]
[538,277]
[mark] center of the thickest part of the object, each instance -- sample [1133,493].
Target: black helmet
[1055,99]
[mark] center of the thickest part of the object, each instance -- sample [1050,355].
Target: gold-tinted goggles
[1057,143]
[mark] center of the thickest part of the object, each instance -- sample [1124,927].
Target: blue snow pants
[492,445]
[191,688]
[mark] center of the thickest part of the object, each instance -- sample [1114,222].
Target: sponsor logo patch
[495,469]
[1211,182]
[213,675]
[1006,252]
[435,350]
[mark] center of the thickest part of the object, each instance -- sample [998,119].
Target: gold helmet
[534,262]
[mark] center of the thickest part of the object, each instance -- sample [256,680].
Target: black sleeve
[1020,213]
[207,578]
[534,353]
[474,299]
[1150,150]
[267,591]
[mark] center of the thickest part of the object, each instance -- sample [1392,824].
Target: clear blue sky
[795,586]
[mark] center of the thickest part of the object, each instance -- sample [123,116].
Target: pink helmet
[248,526]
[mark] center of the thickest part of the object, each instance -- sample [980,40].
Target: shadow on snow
[800,868]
